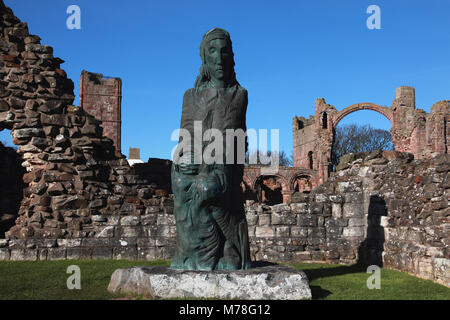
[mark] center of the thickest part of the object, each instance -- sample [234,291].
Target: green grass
[47,280]
[340,282]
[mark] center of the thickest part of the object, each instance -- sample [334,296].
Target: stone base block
[265,283]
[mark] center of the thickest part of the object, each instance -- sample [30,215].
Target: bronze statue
[210,218]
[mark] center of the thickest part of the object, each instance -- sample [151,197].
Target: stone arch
[298,175]
[385,111]
[362,106]
[282,179]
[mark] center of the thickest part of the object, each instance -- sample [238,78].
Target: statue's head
[216,51]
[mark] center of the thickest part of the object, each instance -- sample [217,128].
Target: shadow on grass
[316,273]
[318,292]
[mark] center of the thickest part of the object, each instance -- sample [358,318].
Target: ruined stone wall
[384,208]
[417,225]
[146,235]
[73,173]
[397,211]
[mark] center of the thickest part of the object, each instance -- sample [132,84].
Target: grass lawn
[340,282]
[47,280]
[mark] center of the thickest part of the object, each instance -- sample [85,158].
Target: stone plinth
[265,283]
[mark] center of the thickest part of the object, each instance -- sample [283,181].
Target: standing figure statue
[209,211]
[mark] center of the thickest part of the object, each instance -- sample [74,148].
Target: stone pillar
[406,96]
[304,139]
[404,122]
[437,122]
[101,97]
[324,116]
[287,195]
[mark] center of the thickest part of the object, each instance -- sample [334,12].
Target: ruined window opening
[11,182]
[324,120]
[300,124]
[303,184]
[310,160]
[248,193]
[269,190]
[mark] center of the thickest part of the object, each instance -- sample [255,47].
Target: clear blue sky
[288,53]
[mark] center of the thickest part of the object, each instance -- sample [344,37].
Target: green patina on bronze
[211,224]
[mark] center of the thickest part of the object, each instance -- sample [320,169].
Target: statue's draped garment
[211,224]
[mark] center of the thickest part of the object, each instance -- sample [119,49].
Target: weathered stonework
[377,211]
[73,173]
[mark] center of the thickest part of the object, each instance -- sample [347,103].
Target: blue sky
[288,53]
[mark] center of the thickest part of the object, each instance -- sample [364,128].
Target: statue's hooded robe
[211,224]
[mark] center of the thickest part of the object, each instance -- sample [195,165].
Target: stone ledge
[265,283]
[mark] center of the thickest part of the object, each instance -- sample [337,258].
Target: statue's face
[219,59]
